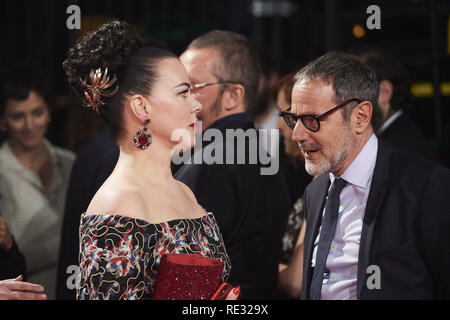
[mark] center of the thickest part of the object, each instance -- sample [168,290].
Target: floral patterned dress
[120,256]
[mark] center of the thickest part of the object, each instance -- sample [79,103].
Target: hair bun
[106,49]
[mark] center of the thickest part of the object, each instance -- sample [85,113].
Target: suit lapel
[314,209]
[377,193]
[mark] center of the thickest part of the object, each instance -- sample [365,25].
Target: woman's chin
[29,143]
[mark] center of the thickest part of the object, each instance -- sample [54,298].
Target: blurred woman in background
[33,173]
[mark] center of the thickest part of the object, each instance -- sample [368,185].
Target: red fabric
[187,277]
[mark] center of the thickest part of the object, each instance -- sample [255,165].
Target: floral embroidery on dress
[120,256]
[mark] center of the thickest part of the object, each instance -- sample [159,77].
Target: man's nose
[299,133]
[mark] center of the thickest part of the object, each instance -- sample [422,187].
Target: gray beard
[332,164]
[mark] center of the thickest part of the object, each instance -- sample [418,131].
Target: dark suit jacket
[251,210]
[12,263]
[95,162]
[405,228]
[405,134]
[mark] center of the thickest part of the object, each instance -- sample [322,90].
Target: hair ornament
[99,86]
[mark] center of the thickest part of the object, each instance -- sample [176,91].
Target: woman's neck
[28,156]
[151,164]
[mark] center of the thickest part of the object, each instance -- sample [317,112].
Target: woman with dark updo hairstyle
[141,212]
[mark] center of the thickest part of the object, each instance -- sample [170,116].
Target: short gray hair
[349,78]
[239,60]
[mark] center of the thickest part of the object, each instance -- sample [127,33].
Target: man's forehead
[309,94]
[199,57]
[199,62]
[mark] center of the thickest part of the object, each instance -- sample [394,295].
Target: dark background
[288,33]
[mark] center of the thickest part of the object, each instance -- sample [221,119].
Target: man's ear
[233,96]
[139,107]
[362,115]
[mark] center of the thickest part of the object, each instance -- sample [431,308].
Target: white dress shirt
[342,260]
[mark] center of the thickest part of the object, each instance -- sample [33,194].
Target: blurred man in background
[251,209]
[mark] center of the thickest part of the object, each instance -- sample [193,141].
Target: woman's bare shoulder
[187,191]
[122,200]
[198,210]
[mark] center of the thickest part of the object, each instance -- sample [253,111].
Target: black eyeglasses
[207,84]
[311,121]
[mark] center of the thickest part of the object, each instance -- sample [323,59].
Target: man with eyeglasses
[377,221]
[251,209]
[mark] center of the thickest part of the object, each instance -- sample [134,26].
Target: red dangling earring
[143,138]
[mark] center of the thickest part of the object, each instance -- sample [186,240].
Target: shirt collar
[360,171]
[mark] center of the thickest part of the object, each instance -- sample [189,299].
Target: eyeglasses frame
[198,86]
[317,118]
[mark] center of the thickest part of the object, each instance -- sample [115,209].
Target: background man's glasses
[311,121]
[207,84]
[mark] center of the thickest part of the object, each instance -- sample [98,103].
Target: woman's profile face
[26,120]
[173,107]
